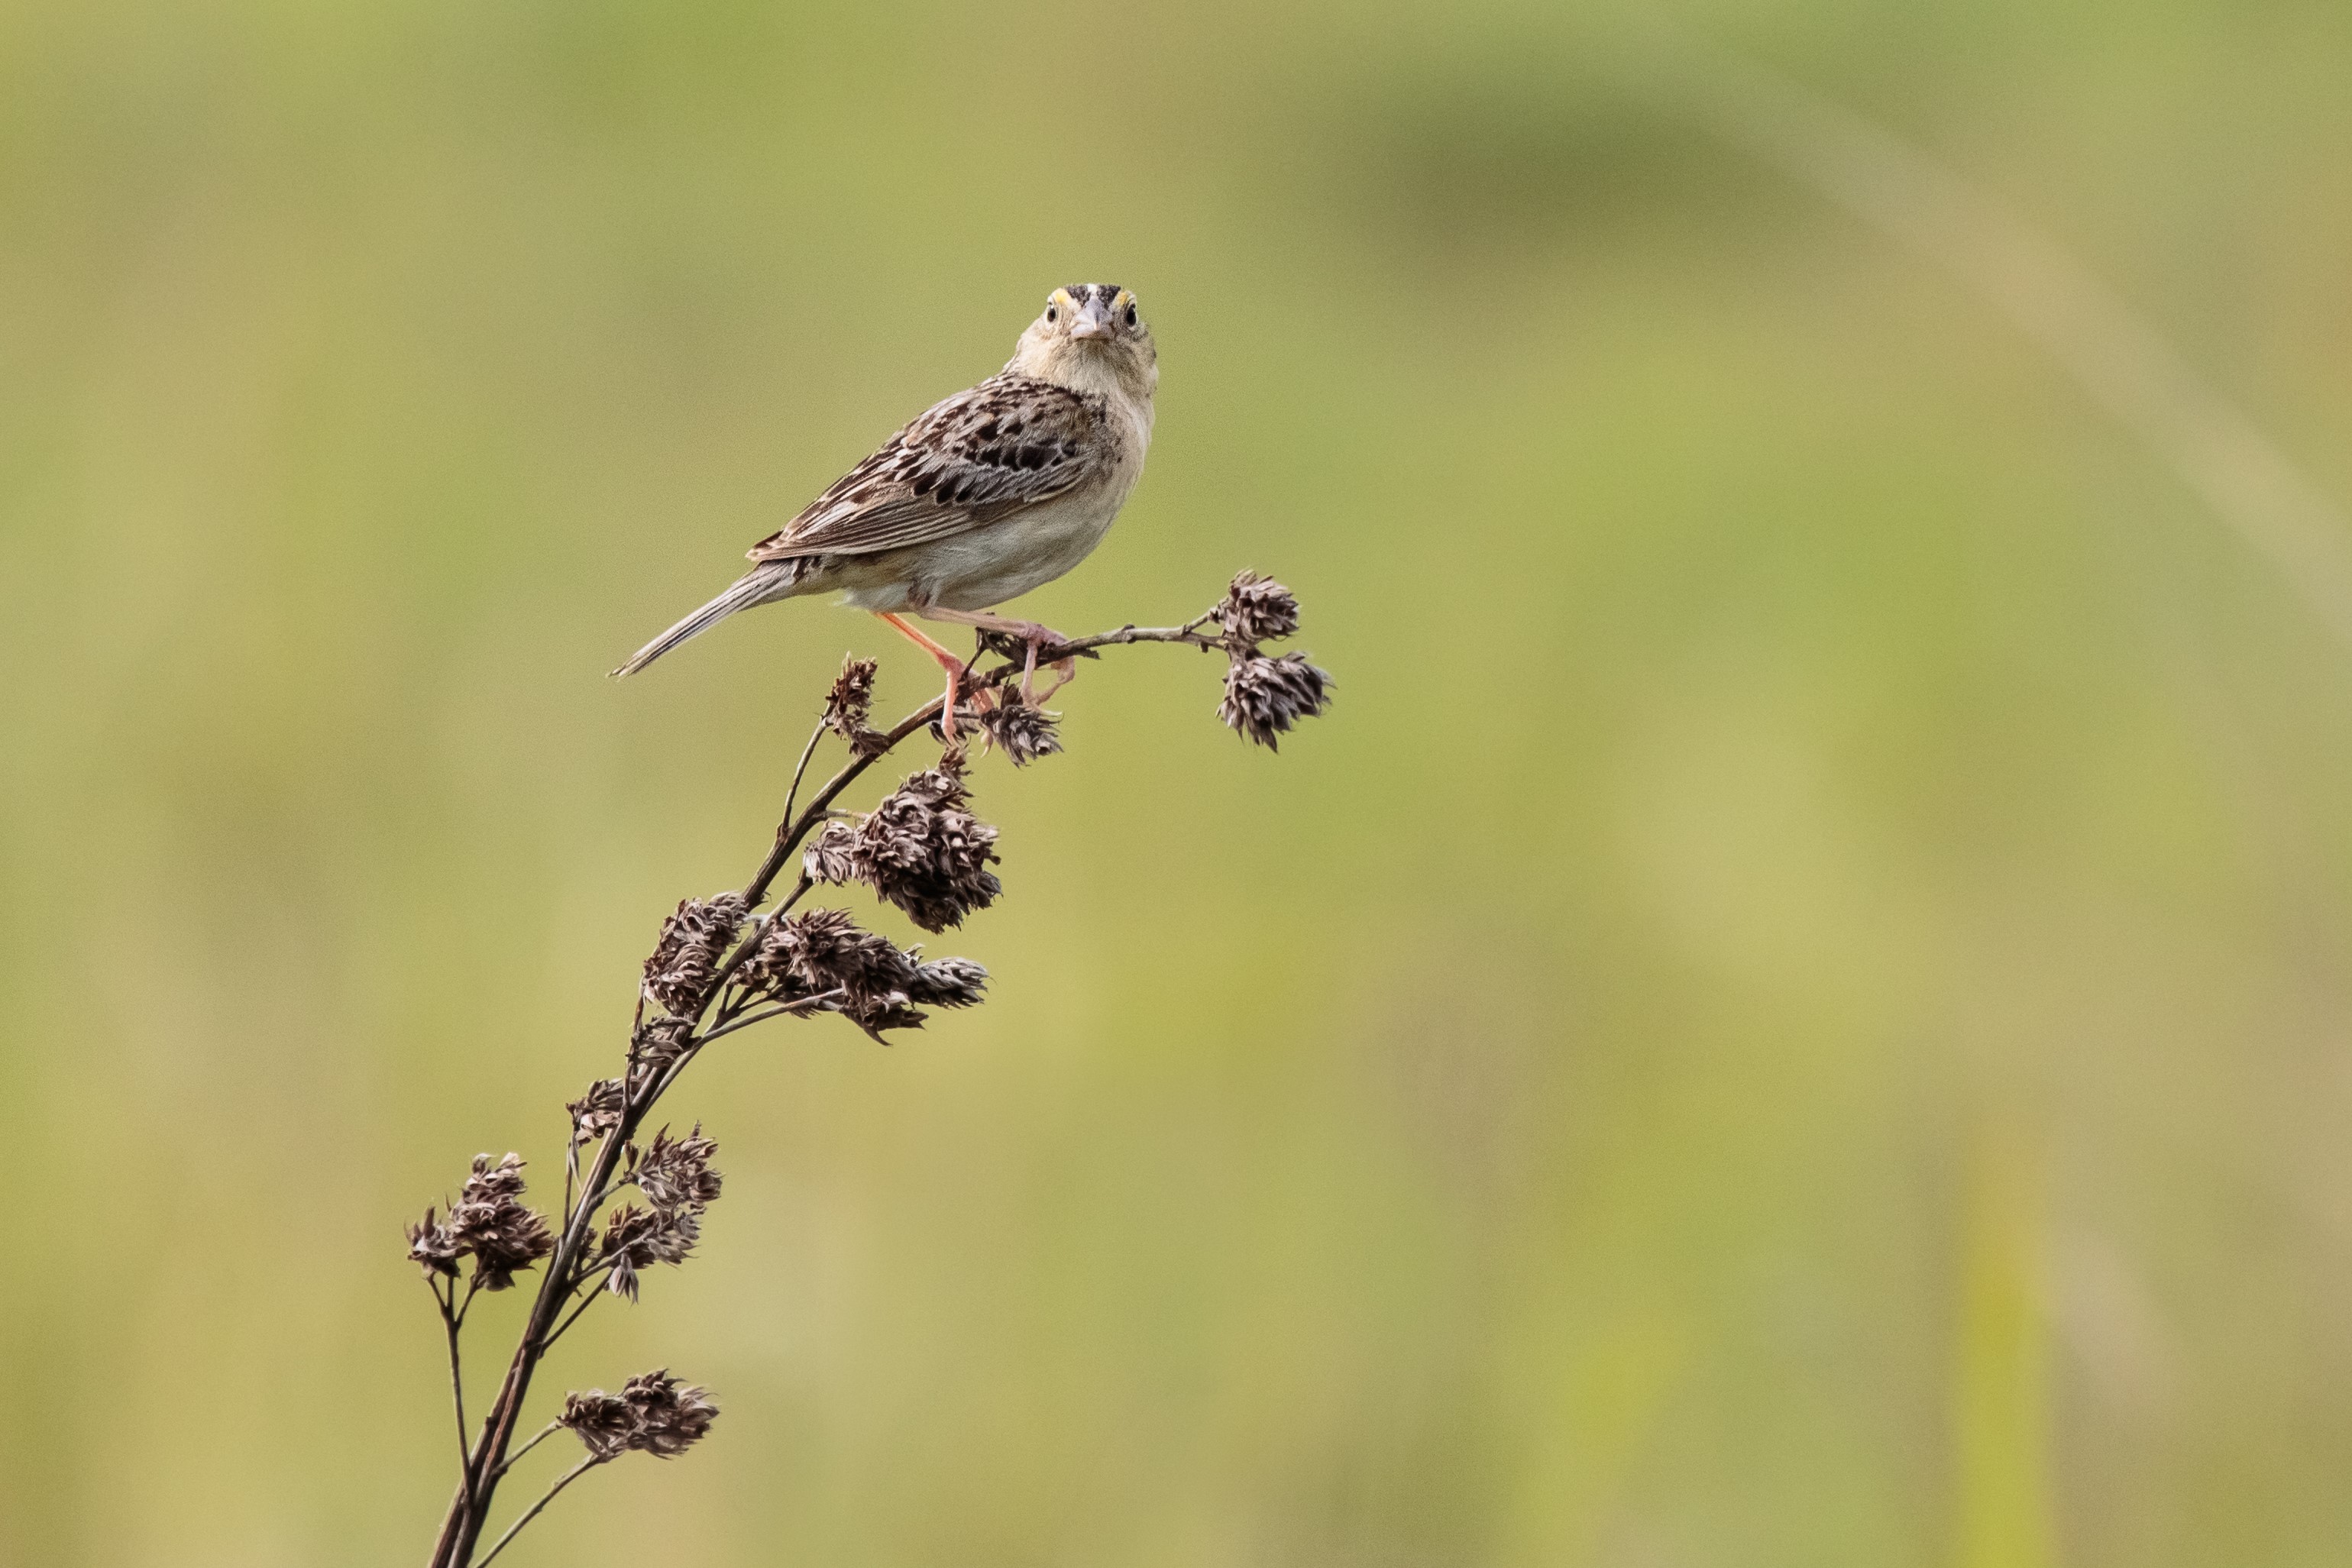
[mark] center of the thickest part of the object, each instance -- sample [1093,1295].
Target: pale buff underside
[987,566]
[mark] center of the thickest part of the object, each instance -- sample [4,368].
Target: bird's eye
[1053,312]
[1131,315]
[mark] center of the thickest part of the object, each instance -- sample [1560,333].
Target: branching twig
[800,770]
[565,1479]
[721,968]
[443,1299]
[1188,634]
[541,1436]
[782,1010]
[587,1300]
[792,830]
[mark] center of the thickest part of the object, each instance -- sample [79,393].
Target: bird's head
[1090,337]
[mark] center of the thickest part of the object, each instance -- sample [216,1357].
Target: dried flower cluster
[1256,610]
[685,962]
[726,963]
[655,1414]
[825,955]
[678,1182]
[655,1046]
[1021,729]
[677,1173]
[1264,698]
[849,707]
[489,1223]
[598,1112]
[920,850]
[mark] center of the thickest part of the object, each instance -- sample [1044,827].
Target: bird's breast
[1002,560]
[1008,557]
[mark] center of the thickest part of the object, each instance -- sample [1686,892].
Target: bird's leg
[1035,634]
[948,661]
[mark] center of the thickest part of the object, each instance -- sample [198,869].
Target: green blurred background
[1799,1011]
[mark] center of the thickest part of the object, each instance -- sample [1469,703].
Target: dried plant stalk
[722,965]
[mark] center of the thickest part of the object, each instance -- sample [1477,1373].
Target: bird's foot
[1034,636]
[1065,672]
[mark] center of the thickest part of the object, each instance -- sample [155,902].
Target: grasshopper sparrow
[985,496]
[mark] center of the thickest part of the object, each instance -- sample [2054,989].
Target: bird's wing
[1008,443]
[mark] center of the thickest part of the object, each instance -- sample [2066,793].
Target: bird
[984,495]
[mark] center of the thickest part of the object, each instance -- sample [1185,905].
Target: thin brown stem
[1188,633]
[686,1059]
[565,1479]
[790,833]
[800,890]
[585,1302]
[541,1436]
[445,1300]
[799,771]
[782,1010]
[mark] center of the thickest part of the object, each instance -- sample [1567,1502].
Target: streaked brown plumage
[986,495]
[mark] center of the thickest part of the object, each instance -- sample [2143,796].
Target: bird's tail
[771,580]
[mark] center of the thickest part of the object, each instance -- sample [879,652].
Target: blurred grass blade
[2001,1386]
[2115,355]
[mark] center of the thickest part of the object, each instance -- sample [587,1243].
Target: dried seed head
[1256,610]
[831,855]
[657,1045]
[636,1238]
[677,1173]
[947,983]
[490,1183]
[1264,698]
[850,703]
[768,972]
[501,1253]
[920,850]
[598,1112]
[602,1422]
[655,1414]
[670,1417]
[826,950]
[434,1247]
[825,954]
[490,1222]
[623,1281]
[678,1180]
[1022,731]
[685,960]
[849,707]
[878,983]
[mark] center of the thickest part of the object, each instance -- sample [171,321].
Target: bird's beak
[1094,322]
